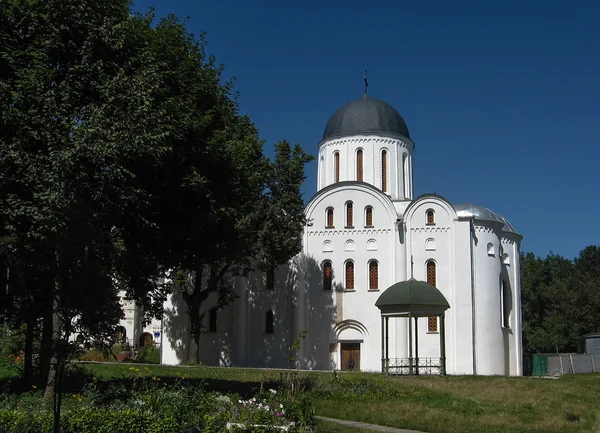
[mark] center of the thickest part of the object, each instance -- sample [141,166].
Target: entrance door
[350,356]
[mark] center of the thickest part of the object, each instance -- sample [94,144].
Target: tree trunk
[28,364]
[46,344]
[55,357]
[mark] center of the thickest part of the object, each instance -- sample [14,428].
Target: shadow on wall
[273,314]
[176,327]
[320,313]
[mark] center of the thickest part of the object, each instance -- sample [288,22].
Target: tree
[560,300]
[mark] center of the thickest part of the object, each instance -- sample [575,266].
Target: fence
[557,364]
[408,366]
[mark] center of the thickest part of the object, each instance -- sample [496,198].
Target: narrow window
[330,217]
[336,157]
[369,216]
[359,165]
[384,170]
[505,305]
[406,176]
[212,320]
[327,275]
[430,217]
[373,275]
[349,275]
[432,321]
[490,249]
[269,327]
[270,278]
[349,214]
[431,273]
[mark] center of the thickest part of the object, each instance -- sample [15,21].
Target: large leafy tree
[560,299]
[123,156]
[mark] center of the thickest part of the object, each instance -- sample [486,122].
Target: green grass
[429,404]
[472,404]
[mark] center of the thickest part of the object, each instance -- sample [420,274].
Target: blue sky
[502,99]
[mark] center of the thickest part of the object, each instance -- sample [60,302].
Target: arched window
[432,322]
[330,217]
[269,326]
[349,214]
[336,159]
[384,170]
[373,275]
[349,275]
[359,165]
[430,217]
[270,278]
[490,249]
[506,304]
[369,216]
[212,320]
[406,176]
[327,275]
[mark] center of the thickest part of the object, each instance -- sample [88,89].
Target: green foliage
[148,354]
[153,406]
[560,300]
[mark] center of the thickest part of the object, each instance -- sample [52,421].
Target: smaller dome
[415,297]
[481,213]
[365,116]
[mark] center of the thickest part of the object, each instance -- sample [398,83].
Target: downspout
[473,275]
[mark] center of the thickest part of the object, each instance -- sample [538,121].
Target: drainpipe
[473,275]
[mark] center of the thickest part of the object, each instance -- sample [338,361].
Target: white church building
[365,233]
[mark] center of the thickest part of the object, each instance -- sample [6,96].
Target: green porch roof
[412,297]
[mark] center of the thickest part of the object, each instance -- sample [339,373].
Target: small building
[588,344]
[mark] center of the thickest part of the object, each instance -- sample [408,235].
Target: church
[386,281]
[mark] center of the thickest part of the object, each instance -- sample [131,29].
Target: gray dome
[484,214]
[365,116]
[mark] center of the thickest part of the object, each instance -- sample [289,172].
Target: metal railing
[413,366]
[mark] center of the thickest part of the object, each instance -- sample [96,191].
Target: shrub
[148,354]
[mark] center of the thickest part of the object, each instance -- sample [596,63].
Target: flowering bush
[143,402]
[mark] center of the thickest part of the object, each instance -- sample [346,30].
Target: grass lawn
[474,404]
[429,404]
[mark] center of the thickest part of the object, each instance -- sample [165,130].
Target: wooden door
[350,356]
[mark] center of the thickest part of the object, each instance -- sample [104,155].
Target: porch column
[416,346]
[443,344]
[410,352]
[387,342]
[382,344]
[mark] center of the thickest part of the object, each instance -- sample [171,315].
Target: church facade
[365,232]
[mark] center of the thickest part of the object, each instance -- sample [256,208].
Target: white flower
[280,406]
[240,401]
[273,391]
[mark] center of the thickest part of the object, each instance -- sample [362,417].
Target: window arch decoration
[430,244]
[373,275]
[269,322]
[349,275]
[336,164]
[369,216]
[432,321]
[329,218]
[384,169]
[359,165]
[327,275]
[349,214]
[430,217]
[327,247]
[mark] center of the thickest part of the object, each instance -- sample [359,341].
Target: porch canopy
[411,299]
